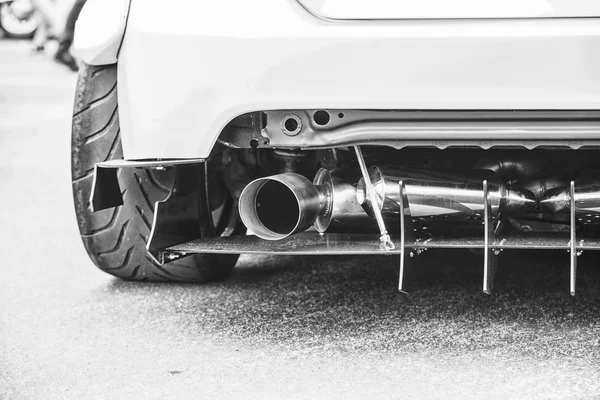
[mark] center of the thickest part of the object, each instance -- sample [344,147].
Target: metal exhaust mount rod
[386,241]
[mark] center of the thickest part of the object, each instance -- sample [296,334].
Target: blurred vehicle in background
[17,18]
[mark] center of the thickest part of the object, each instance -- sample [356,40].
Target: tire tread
[115,239]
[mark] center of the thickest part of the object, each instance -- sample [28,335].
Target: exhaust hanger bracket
[386,242]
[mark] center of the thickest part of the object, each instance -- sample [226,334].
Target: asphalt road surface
[280,327]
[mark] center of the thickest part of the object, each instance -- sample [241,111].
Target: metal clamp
[386,242]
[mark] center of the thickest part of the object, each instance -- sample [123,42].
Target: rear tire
[115,239]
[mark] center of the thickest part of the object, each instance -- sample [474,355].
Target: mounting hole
[321,117]
[291,125]
[254,143]
[340,115]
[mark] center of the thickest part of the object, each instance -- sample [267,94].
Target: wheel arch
[100,30]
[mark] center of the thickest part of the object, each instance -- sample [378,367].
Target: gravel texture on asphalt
[316,304]
[280,327]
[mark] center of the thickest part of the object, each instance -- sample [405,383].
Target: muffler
[278,206]
[434,193]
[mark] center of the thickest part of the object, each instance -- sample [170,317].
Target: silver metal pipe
[278,206]
[518,167]
[587,195]
[343,213]
[539,186]
[442,193]
[384,238]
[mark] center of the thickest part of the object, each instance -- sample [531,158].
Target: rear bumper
[184,76]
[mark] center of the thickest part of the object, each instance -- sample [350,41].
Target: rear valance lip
[337,10]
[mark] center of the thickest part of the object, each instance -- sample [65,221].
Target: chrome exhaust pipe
[343,212]
[587,195]
[443,193]
[278,206]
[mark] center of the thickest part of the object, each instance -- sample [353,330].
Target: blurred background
[48,24]
[293,327]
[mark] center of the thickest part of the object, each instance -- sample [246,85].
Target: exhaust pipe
[587,195]
[344,213]
[443,193]
[278,206]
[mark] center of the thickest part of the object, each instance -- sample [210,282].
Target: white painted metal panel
[99,31]
[435,9]
[182,80]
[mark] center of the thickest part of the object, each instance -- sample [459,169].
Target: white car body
[187,68]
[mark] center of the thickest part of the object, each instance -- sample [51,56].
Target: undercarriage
[304,182]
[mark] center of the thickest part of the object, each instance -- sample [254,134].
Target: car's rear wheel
[116,238]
